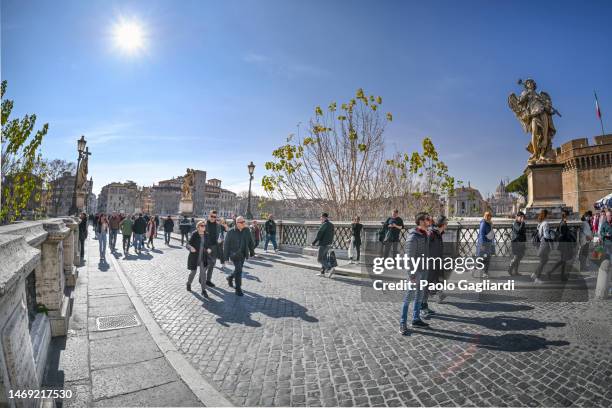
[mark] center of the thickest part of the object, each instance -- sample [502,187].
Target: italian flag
[597,110]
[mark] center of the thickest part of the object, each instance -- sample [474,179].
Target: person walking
[126,227]
[199,249]
[485,247]
[392,228]
[605,232]
[567,243]
[238,246]
[220,240]
[355,244]
[140,228]
[113,223]
[168,228]
[324,239]
[585,236]
[95,225]
[156,218]
[417,245]
[212,227]
[543,240]
[270,228]
[256,233]
[518,238]
[151,232]
[435,273]
[82,234]
[102,235]
[184,227]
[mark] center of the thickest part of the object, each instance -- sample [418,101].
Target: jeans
[212,260]
[113,238]
[237,274]
[102,244]
[192,273]
[270,238]
[418,299]
[139,241]
[167,235]
[390,248]
[126,243]
[184,236]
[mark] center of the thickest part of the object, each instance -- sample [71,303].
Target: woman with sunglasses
[199,249]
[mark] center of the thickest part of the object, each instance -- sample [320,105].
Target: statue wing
[521,113]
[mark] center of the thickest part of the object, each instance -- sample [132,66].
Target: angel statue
[188,182]
[534,110]
[81,174]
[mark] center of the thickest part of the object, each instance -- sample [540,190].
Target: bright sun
[129,36]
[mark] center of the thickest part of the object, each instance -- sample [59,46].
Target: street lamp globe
[251,168]
[81,144]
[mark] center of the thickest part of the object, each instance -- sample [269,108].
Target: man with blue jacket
[417,246]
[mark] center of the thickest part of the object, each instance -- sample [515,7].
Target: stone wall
[40,253]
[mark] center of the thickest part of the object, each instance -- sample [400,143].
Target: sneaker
[230,282]
[204,293]
[429,312]
[403,330]
[420,323]
[322,273]
[188,288]
[209,283]
[239,292]
[331,272]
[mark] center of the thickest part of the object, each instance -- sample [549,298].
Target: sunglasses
[213,216]
[241,222]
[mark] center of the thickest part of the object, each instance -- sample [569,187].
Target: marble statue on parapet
[81,174]
[188,182]
[534,111]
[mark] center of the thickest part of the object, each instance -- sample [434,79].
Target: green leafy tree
[341,164]
[519,186]
[22,165]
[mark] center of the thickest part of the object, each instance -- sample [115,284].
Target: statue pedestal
[186,207]
[545,189]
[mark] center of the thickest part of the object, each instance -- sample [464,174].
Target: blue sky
[221,83]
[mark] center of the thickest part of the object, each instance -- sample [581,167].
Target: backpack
[331,259]
[535,237]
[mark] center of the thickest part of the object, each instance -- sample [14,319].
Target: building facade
[144,201]
[118,197]
[199,192]
[166,196]
[465,202]
[587,171]
[59,197]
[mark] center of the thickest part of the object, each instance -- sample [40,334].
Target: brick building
[587,171]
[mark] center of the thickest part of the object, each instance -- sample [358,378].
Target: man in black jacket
[270,228]
[168,228]
[140,227]
[238,246]
[82,234]
[325,238]
[212,228]
[518,239]
[184,227]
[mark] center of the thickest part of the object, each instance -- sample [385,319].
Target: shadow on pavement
[511,342]
[489,306]
[234,309]
[501,323]
[260,263]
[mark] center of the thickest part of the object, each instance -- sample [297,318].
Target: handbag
[491,235]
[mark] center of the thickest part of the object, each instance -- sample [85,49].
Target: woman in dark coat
[356,228]
[199,247]
[567,244]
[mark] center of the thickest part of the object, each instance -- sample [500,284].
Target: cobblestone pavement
[297,339]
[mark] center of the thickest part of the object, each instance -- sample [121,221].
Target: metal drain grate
[116,322]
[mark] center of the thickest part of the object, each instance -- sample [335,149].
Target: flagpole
[599,113]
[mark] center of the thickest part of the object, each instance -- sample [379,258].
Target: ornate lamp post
[251,168]
[81,150]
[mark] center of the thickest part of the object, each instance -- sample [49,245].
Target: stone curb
[202,389]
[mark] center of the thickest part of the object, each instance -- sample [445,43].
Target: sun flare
[129,36]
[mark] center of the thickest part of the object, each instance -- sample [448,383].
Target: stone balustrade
[37,275]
